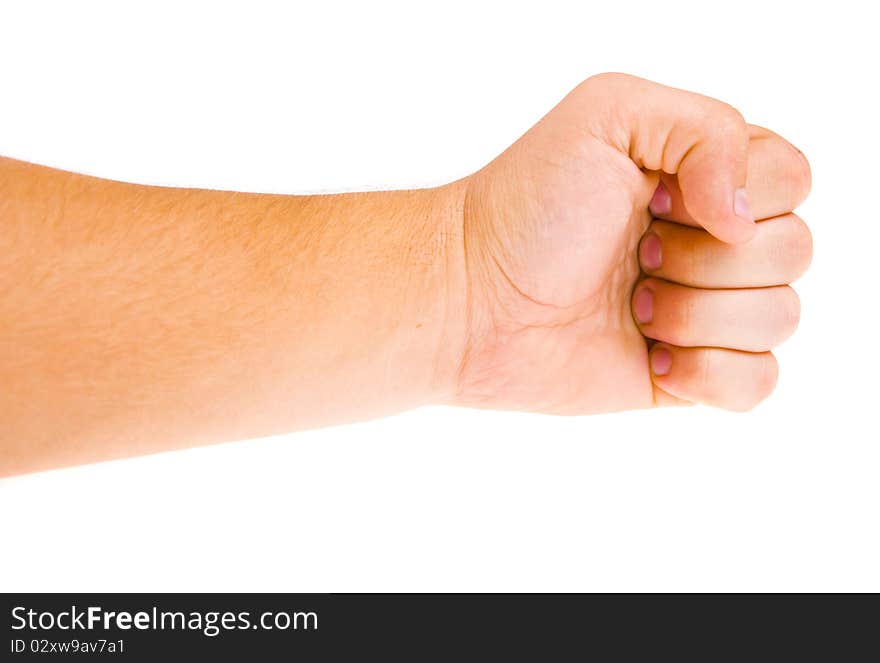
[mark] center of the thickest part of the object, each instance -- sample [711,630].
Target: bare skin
[137,319]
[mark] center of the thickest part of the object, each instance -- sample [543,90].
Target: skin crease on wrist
[631,250]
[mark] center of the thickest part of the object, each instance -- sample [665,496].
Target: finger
[778,254]
[778,180]
[701,140]
[723,378]
[754,320]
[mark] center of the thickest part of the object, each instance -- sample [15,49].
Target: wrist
[447,295]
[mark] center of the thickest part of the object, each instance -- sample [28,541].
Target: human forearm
[137,319]
[632,250]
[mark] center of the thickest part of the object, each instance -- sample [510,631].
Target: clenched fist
[632,249]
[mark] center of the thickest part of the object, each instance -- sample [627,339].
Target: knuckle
[768,376]
[743,406]
[801,177]
[607,79]
[788,310]
[765,378]
[729,120]
[798,245]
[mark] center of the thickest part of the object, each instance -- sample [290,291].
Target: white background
[287,98]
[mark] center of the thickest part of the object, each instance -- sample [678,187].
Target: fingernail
[651,252]
[741,205]
[661,201]
[661,361]
[643,306]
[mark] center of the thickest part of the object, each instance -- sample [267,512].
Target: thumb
[701,140]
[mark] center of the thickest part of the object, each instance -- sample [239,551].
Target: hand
[581,299]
